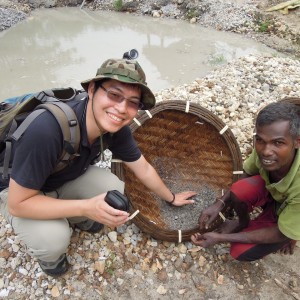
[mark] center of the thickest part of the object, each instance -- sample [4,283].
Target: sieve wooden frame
[171,130]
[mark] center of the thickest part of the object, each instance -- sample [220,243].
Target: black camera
[117,200]
[131,54]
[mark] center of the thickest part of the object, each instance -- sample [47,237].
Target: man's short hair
[280,111]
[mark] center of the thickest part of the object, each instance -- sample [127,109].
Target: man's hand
[205,240]
[288,248]
[150,178]
[103,213]
[209,214]
[183,198]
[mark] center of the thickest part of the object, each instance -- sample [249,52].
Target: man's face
[115,104]
[276,147]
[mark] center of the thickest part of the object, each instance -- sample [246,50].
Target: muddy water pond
[61,47]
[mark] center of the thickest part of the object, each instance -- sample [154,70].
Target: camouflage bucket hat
[128,71]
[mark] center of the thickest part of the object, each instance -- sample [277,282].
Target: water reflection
[61,47]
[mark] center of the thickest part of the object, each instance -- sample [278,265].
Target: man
[40,204]
[272,182]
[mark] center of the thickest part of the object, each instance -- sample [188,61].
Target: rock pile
[236,92]
[10,17]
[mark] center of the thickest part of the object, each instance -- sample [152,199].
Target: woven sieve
[190,140]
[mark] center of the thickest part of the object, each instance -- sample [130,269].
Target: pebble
[162,275]
[293,283]
[177,274]
[2,263]
[155,14]
[99,266]
[15,248]
[55,292]
[202,261]
[220,279]
[112,236]
[182,248]
[4,293]
[23,271]
[181,292]
[162,290]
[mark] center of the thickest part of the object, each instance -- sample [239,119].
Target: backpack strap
[7,154]
[21,129]
[67,120]
[15,134]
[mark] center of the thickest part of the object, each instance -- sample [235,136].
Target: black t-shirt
[36,154]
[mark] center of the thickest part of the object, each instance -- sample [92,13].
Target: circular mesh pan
[193,148]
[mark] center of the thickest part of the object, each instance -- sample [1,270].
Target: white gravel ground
[127,264]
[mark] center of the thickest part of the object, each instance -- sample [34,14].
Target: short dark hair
[99,83]
[280,111]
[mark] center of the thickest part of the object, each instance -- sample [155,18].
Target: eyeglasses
[114,96]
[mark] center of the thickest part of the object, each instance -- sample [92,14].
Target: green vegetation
[217,59]
[192,13]
[118,5]
[110,264]
[264,23]
[263,26]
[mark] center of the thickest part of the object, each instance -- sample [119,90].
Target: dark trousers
[253,192]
